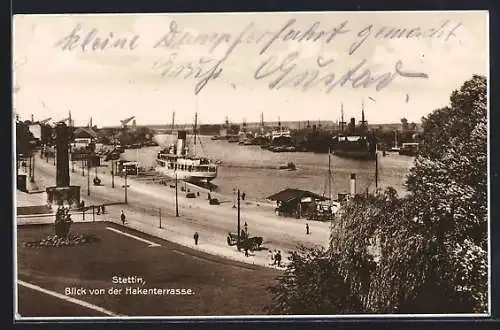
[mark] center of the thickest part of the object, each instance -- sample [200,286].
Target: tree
[404,124]
[313,285]
[421,253]
[47,134]
[24,138]
[449,181]
[62,223]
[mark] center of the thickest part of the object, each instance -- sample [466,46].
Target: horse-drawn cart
[250,243]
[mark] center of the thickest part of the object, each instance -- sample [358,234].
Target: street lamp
[234,198]
[176,198]
[112,173]
[32,179]
[125,172]
[72,161]
[88,177]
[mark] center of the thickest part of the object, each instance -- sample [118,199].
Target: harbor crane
[41,122]
[126,121]
[67,119]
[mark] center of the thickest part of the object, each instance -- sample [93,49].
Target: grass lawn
[220,286]
[52,306]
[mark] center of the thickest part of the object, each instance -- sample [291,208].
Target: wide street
[212,222]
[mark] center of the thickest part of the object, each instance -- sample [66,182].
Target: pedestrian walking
[123,218]
[307,229]
[271,255]
[196,236]
[243,196]
[102,209]
[98,210]
[275,254]
[246,251]
[278,258]
[209,196]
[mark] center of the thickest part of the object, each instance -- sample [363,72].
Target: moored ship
[355,146]
[355,142]
[174,162]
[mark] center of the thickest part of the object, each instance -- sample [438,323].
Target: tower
[342,122]
[363,122]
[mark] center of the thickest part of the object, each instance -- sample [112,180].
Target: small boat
[289,166]
[278,149]
[233,139]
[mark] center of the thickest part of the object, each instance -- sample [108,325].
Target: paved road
[212,222]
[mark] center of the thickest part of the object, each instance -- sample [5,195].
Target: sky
[443,49]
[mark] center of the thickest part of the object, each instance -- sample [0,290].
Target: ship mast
[195,129]
[262,123]
[363,121]
[342,122]
[330,179]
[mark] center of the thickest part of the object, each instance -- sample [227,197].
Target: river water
[254,170]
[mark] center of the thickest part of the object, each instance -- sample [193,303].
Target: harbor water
[256,171]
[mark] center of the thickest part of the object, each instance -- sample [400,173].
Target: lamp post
[72,161]
[88,177]
[29,167]
[125,172]
[33,170]
[112,173]
[234,198]
[239,228]
[176,198]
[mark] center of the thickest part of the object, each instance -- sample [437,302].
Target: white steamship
[174,161]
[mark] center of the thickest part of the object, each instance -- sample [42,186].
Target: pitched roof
[290,194]
[84,131]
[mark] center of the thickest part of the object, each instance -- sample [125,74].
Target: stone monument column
[62,163]
[63,194]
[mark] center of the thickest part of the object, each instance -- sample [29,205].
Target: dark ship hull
[355,147]
[320,144]
[314,142]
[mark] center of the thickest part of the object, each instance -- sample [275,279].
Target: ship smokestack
[181,142]
[353,184]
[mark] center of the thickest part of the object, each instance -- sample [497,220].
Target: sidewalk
[196,215]
[209,242]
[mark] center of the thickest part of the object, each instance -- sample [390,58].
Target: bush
[63,222]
